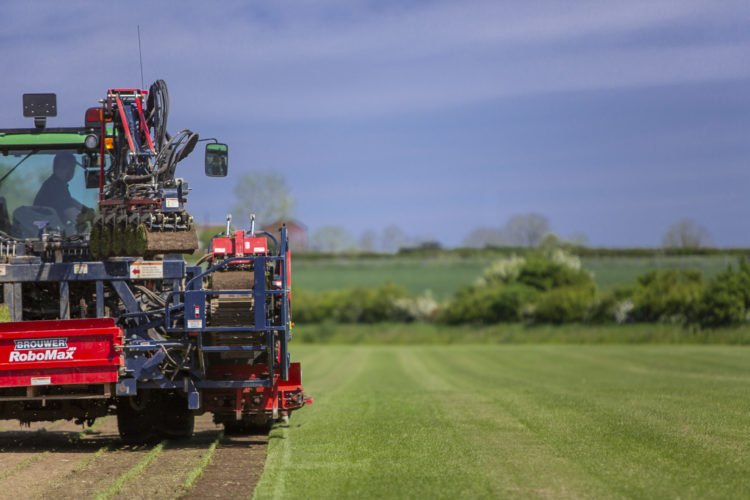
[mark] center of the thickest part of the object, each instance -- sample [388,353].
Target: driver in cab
[54,192]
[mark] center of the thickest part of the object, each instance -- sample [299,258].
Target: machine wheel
[134,420]
[243,427]
[174,420]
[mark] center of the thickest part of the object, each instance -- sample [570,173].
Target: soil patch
[235,469]
[57,460]
[164,477]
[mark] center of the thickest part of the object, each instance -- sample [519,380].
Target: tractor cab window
[46,190]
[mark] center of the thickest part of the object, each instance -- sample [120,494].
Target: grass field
[483,421]
[611,272]
[441,276]
[444,276]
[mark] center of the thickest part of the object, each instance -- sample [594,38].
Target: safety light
[93,116]
[109,143]
[91,141]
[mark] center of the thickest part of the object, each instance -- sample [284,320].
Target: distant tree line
[521,233]
[546,286]
[523,230]
[266,194]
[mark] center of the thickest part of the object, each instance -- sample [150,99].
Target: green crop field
[498,421]
[611,272]
[444,276]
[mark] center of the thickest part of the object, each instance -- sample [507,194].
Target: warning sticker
[173,203]
[195,323]
[41,380]
[80,268]
[3,271]
[146,270]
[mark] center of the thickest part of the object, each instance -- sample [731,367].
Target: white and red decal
[49,349]
[146,270]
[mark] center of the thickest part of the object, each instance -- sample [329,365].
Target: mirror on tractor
[217,159]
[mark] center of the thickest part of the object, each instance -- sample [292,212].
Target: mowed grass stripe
[375,433]
[333,371]
[509,386]
[332,368]
[643,435]
[511,456]
[518,421]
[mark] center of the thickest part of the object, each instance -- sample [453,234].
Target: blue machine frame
[142,353]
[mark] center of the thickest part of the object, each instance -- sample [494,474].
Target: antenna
[140,54]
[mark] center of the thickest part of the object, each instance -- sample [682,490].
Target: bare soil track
[57,460]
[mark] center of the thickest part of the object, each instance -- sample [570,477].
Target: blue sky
[613,119]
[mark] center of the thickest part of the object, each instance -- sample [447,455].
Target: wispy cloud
[313,60]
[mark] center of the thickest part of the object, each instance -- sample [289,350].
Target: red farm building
[296,231]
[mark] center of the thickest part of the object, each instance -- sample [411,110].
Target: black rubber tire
[174,419]
[136,426]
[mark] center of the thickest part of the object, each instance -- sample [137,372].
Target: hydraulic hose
[158,105]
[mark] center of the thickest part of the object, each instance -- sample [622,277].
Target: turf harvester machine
[106,316]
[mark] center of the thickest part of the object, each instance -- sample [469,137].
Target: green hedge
[546,287]
[725,300]
[358,305]
[493,304]
[667,295]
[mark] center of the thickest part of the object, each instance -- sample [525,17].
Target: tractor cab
[43,174]
[51,179]
[47,192]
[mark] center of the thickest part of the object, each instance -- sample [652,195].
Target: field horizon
[443,276]
[515,333]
